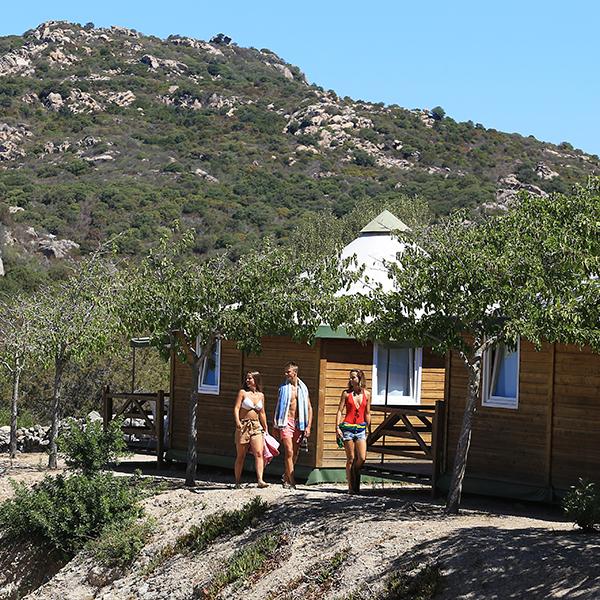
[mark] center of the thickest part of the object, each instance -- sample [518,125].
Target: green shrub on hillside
[120,543]
[582,505]
[67,511]
[89,448]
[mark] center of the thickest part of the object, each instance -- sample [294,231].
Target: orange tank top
[354,415]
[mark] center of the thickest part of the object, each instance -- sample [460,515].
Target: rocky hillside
[107,130]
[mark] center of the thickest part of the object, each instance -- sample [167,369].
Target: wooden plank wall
[553,436]
[337,358]
[576,435]
[506,443]
[216,429]
[215,418]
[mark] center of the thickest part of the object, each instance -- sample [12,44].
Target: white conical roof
[375,246]
[384,223]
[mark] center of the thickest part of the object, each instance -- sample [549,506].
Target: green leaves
[89,448]
[531,272]
[270,290]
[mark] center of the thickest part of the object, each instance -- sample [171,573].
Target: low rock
[54,101]
[507,191]
[81,102]
[285,71]
[545,172]
[192,43]
[58,57]
[122,99]
[106,157]
[10,140]
[124,31]
[54,248]
[154,63]
[206,176]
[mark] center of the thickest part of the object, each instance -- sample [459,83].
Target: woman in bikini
[353,419]
[251,424]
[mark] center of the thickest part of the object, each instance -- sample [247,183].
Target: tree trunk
[473,364]
[13,410]
[192,453]
[53,450]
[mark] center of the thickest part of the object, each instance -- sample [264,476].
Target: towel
[283,405]
[271,448]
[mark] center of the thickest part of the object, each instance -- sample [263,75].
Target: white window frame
[211,389]
[487,399]
[415,398]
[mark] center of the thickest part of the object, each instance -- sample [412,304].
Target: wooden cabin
[398,376]
[537,426]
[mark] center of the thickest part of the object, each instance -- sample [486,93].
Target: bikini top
[249,405]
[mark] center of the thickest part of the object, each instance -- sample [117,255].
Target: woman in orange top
[353,418]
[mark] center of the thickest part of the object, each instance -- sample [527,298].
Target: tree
[189,304]
[74,321]
[438,113]
[467,286]
[17,348]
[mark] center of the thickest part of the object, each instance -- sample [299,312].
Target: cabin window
[210,377]
[396,374]
[501,377]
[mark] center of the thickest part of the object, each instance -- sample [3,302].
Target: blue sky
[527,66]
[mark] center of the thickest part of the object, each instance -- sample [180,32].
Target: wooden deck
[413,435]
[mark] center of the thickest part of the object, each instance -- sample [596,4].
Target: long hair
[362,381]
[257,380]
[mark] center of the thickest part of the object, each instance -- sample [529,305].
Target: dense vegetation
[67,511]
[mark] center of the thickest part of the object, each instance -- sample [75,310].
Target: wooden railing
[417,433]
[141,406]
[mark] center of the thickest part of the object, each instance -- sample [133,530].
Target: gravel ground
[493,549]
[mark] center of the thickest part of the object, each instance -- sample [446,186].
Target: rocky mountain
[106,131]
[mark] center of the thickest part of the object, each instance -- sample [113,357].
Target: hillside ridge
[107,130]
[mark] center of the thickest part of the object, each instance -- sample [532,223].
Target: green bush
[363,159]
[66,512]
[88,448]
[582,505]
[121,542]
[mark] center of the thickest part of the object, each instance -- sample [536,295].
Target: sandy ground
[493,549]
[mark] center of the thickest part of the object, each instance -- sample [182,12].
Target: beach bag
[271,448]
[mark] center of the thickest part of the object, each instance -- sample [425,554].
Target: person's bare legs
[288,460]
[360,451]
[242,449]
[257,443]
[349,448]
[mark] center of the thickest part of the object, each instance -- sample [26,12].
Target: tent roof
[375,245]
[384,223]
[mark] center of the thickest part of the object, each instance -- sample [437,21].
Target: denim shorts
[353,433]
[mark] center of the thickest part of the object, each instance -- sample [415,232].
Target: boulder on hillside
[54,101]
[54,248]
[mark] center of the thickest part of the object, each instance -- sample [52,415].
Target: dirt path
[494,549]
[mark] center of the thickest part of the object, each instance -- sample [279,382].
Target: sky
[527,66]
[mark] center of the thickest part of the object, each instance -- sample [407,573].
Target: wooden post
[437,444]
[159,427]
[107,406]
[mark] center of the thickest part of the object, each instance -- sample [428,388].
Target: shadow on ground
[489,563]
[25,566]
